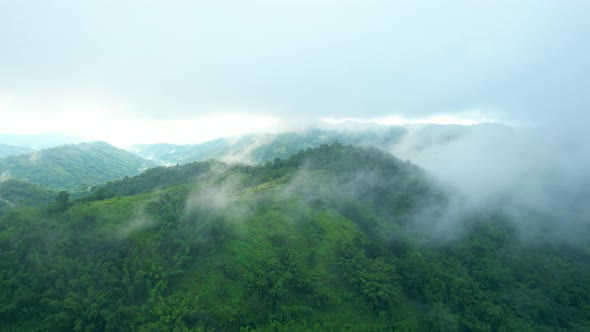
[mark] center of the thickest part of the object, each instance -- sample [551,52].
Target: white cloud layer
[523,61]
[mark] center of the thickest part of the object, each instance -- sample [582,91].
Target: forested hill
[261,148]
[365,173]
[317,242]
[73,167]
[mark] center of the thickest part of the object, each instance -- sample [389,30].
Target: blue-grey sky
[244,65]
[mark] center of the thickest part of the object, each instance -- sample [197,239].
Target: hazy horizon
[43,140]
[132,72]
[144,72]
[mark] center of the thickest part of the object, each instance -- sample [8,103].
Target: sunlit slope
[321,241]
[73,167]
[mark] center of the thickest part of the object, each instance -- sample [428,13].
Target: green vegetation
[157,178]
[262,148]
[18,193]
[316,242]
[73,167]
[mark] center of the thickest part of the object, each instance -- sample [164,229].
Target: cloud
[535,175]
[243,153]
[140,221]
[5,176]
[123,130]
[298,59]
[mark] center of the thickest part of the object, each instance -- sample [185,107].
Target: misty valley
[317,231]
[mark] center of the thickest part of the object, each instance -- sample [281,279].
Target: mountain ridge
[257,148]
[73,166]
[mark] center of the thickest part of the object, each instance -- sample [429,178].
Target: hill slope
[315,242]
[71,167]
[14,193]
[257,149]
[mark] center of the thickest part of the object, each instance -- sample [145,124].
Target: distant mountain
[171,154]
[38,141]
[158,178]
[73,167]
[406,141]
[254,149]
[11,150]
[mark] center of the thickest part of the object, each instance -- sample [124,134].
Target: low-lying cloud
[538,176]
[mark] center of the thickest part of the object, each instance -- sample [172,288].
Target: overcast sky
[184,71]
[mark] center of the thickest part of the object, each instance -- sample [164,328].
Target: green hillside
[261,148]
[158,178]
[73,167]
[321,241]
[15,193]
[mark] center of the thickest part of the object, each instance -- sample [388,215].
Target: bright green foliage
[73,167]
[312,243]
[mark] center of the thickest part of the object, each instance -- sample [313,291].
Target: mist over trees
[324,240]
[536,175]
[260,148]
